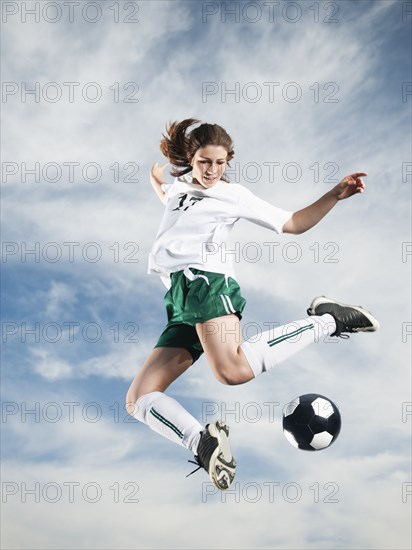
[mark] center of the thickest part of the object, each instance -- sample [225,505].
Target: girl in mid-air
[204,303]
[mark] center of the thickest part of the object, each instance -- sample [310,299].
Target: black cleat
[215,456]
[347,318]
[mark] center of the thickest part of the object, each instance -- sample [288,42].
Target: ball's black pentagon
[303,414]
[334,424]
[318,424]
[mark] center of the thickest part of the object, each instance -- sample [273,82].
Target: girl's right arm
[156,179]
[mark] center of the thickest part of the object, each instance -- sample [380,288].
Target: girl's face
[209,164]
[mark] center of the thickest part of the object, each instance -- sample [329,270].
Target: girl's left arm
[305,219]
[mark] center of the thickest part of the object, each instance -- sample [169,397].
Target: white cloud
[61,296]
[49,366]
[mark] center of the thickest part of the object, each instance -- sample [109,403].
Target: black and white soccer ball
[311,422]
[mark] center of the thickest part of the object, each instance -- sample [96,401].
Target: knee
[132,396]
[138,404]
[131,403]
[228,374]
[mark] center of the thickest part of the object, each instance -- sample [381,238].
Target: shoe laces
[340,335]
[198,464]
[206,446]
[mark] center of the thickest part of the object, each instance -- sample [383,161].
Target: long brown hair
[180,146]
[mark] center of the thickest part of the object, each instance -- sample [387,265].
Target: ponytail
[175,145]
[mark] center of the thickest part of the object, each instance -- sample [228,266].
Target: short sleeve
[260,212]
[165,187]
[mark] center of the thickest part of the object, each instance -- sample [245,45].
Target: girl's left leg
[236,362]
[146,402]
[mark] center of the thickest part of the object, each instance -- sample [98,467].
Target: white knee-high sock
[166,416]
[275,346]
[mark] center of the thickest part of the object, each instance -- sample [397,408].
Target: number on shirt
[187,203]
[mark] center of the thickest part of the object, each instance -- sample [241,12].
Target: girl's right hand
[156,179]
[156,172]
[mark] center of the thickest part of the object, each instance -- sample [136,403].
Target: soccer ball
[311,422]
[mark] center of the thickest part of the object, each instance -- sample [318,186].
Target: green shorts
[195,297]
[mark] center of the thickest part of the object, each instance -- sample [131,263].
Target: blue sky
[96,314]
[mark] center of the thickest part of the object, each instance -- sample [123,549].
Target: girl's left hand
[350,185]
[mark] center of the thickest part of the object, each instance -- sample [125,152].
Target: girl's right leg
[146,401]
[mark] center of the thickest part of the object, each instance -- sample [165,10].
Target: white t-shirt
[197,221]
